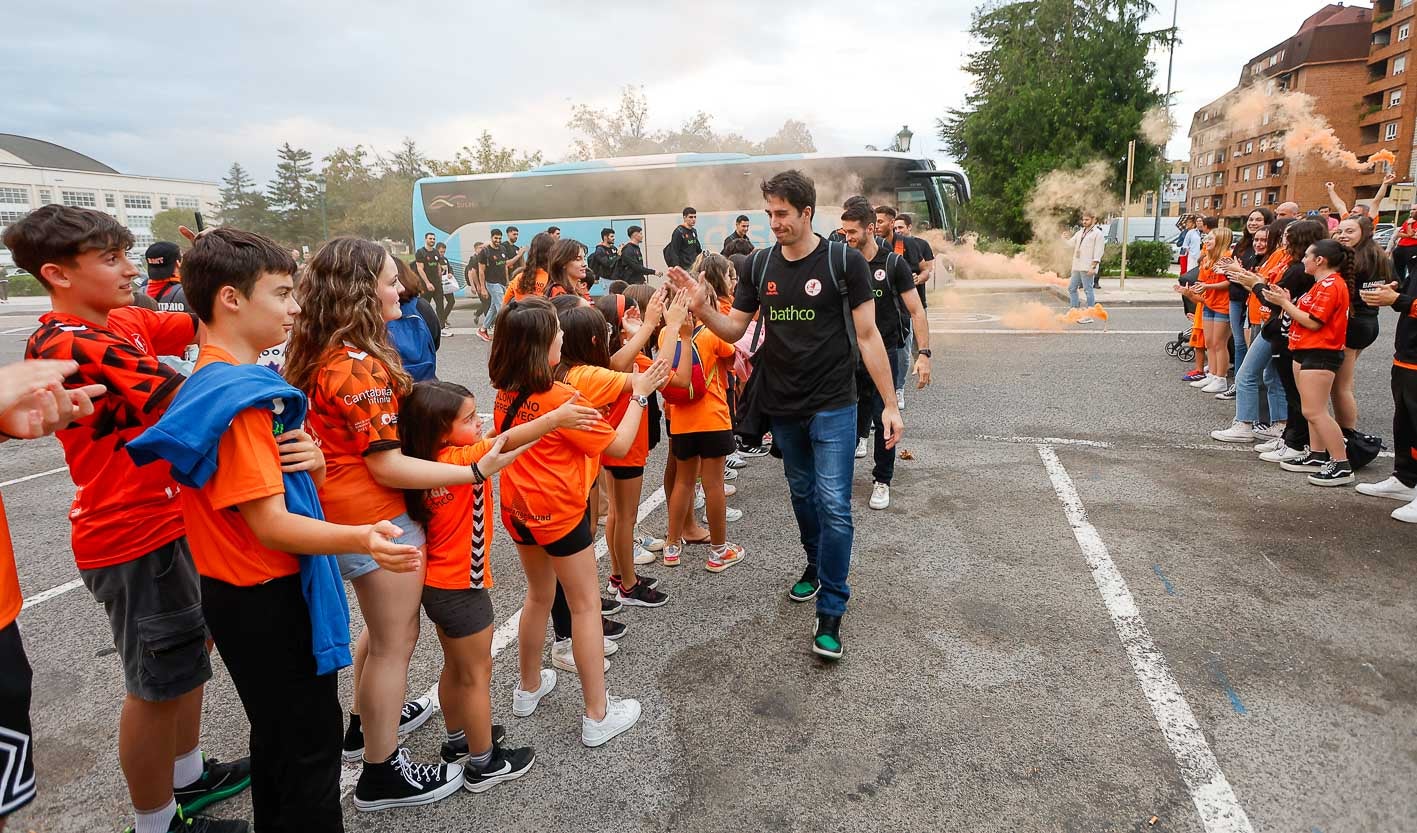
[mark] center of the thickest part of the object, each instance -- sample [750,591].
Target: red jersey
[1327,301]
[459,536]
[10,599]
[120,511]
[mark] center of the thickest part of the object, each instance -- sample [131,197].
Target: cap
[162,258]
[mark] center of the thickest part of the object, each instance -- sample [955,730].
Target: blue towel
[188,436]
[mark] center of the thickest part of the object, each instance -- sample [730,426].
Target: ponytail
[1340,258]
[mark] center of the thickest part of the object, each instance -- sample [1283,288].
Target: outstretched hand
[652,379]
[396,558]
[497,459]
[572,414]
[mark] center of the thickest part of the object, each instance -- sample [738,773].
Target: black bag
[1362,448]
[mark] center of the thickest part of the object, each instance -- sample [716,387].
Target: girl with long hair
[440,422]
[1212,288]
[531,278]
[565,274]
[1316,340]
[1257,221]
[1371,268]
[1266,263]
[340,356]
[545,511]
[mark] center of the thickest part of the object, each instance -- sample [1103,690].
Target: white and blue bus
[651,192]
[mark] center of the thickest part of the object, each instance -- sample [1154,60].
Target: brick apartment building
[1327,58]
[1386,114]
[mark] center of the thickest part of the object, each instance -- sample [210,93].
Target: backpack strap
[835,252]
[511,413]
[759,271]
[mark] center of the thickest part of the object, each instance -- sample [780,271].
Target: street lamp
[324,219]
[902,139]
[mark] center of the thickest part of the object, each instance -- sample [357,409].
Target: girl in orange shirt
[1212,288]
[339,354]
[531,279]
[567,270]
[701,432]
[440,423]
[544,509]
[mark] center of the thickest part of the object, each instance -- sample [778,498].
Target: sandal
[703,540]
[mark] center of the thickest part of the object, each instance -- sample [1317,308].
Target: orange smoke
[1031,316]
[1306,132]
[971,264]
[1383,155]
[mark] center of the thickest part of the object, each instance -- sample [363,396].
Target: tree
[408,162]
[486,158]
[165,223]
[293,195]
[1058,83]
[243,205]
[625,131]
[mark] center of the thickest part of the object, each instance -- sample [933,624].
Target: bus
[651,192]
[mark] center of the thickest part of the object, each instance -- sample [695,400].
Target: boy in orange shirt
[276,611]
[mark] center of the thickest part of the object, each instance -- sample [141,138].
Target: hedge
[1144,257]
[23,283]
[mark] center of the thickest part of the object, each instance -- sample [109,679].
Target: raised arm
[704,304]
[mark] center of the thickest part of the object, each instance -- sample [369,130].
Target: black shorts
[1330,360]
[1362,332]
[459,613]
[626,472]
[17,782]
[571,543]
[701,444]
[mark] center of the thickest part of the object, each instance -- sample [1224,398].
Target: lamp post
[324,219]
[1166,171]
[902,139]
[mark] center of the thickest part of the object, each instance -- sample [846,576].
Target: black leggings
[1296,429]
[1404,423]
[442,304]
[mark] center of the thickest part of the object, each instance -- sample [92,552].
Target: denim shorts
[1211,315]
[352,565]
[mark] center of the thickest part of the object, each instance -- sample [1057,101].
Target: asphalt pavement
[1078,614]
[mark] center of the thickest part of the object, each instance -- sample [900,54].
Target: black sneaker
[184,823]
[453,753]
[506,765]
[398,782]
[609,607]
[1311,462]
[806,587]
[414,714]
[753,450]
[1333,473]
[612,584]
[827,641]
[613,630]
[218,782]
[642,594]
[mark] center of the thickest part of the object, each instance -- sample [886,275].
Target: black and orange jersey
[355,412]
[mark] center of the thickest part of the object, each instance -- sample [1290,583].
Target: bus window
[948,195]
[912,201]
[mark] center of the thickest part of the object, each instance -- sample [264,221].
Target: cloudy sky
[160,87]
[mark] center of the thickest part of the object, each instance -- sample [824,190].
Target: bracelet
[478,478]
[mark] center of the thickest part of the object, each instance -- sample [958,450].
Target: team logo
[880,274]
[772,288]
[813,287]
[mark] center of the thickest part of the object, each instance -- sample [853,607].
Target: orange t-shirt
[459,536]
[513,295]
[1216,300]
[121,511]
[1327,300]
[639,451]
[10,599]
[1272,271]
[248,468]
[602,388]
[710,411]
[545,489]
[354,412]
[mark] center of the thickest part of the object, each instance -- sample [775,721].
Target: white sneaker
[900,399]
[729,514]
[729,473]
[1407,514]
[620,715]
[1238,432]
[861,447]
[1284,454]
[565,659]
[880,496]
[1202,381]
[525,702]
[1269,445]
[729,490]
[735,461]
[1390,488]
[649,542]
[698,496]
[1217,384]
[643,556]
[1274,431]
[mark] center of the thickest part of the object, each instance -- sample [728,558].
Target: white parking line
[1220,810]
[504,636]
[46,595]
[33,476]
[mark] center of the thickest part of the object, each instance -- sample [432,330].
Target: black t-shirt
[1246,257]
[915,252]
[890,278]
[429,259]
[493,260]
[1276,329]
[805,356]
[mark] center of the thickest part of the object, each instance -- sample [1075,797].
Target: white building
[35,173]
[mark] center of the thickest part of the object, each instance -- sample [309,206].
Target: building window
[45,197]
[1264,117]
[1259,195]
[1399,65]
[1404,31]
[185,202]
[108,200]
[162,203]
[132,201]
[1245,174]
[8,217]
[1150,203]
[79,199]
[15,196]
[1249,147]
[1245,198]
[1394,98]
[1259,170]
[1390,131]
[142,238]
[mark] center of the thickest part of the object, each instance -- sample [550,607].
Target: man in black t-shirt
[807,387]
[492,269]
[905,247]
[740,232]
[631,268]
[897,306]
[603,260]
[684,248]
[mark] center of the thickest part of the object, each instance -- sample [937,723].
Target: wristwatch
[925,352]
[642,401]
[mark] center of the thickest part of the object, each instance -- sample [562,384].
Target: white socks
[186,769]
[156,821]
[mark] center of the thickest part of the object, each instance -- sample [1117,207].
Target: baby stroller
[1181,347]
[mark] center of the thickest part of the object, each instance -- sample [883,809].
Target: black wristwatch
[925,352]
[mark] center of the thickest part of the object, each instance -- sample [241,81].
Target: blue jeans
[495,291]
[1239,312]
[817,454]
[903,356]
[1084,280]
[1258,367]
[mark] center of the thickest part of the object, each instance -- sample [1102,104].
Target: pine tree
[292,194]
[243,206]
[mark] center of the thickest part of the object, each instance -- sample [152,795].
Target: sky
[183,89]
